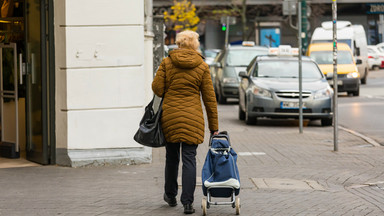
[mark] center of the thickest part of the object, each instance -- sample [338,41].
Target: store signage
[375,8]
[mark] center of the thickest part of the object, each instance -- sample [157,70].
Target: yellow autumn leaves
[183,16]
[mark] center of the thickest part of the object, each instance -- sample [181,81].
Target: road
[365,114]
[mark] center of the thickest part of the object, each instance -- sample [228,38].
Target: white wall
[101,80]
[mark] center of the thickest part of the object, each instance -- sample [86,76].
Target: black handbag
[150,132]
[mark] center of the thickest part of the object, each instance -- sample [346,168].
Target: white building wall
[102,82]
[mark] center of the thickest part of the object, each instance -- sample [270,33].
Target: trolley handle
[222,134]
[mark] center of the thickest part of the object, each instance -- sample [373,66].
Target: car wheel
[326,122]
[241,113]
[354,93]
[250,120]
[221,98]
[364,79]
[216,95]
[376,68]
[357,92]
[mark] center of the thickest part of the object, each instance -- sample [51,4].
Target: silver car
[226,67]
[210,55]
[375,58]
[270,88]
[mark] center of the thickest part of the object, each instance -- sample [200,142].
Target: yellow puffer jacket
[180,79]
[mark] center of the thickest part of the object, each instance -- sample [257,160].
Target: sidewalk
[282,173]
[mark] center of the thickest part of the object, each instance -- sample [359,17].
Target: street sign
[231,20]
[377,8]
[289,7]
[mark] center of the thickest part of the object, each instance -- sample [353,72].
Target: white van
[353,35]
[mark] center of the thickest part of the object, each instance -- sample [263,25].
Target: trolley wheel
[237,203]
[204,206]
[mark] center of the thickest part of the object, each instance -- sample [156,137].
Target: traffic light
[304,24]
[223,27]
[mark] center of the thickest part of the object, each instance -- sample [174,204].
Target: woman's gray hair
[188,39]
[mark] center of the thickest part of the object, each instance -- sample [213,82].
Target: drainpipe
[148,14]
[148,48]
[381,28]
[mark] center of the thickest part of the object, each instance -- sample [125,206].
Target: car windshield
[346,41]
[326,57]
[286,69]
[243,57]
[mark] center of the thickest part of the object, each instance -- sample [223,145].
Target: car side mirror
[357,49]
[243,74]
[359,61]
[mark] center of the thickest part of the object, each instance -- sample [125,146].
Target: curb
[367,139]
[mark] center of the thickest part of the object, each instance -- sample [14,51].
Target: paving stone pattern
[347,182]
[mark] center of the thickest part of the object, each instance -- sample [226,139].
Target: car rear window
[243,57]
[286,69]
[326,57]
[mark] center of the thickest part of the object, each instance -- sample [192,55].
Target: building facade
[267,18]
[80,74]
[102,80]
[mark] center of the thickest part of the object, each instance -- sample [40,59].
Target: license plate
[290,105]
[339,82]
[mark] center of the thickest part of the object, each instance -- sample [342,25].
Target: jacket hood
[185,58]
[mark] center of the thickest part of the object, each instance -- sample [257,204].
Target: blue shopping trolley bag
[220,173]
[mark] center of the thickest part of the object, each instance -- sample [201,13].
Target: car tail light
[370,56]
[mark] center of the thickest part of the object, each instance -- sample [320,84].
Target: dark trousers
[189,171]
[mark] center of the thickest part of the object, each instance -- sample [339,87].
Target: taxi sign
[248,43]
[273,51]
[284,50]
[295,51]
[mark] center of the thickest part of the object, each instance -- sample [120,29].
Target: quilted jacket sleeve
[158,84]
[209,99]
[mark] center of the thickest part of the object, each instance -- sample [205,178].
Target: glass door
[9,99]
[37,148]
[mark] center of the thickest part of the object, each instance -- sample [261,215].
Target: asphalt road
[365,114]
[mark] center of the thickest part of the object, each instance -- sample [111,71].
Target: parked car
[210,55]
[348,76]
[227,65]
[353,35]
[270,88]
[380,46]
[375,58]
[169,48]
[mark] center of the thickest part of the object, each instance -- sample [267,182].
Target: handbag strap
[160,107]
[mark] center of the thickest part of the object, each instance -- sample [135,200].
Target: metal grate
[292,94]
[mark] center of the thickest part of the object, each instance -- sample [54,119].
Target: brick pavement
[351,180]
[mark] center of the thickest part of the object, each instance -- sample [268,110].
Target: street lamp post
[335,110]
[300,68]
[227,31]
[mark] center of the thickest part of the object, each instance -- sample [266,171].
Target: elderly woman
[182,80]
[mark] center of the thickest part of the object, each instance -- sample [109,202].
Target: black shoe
[188,209]
[171,201]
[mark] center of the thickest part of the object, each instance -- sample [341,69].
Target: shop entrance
[25,81]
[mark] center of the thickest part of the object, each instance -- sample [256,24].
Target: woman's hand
[214,132]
